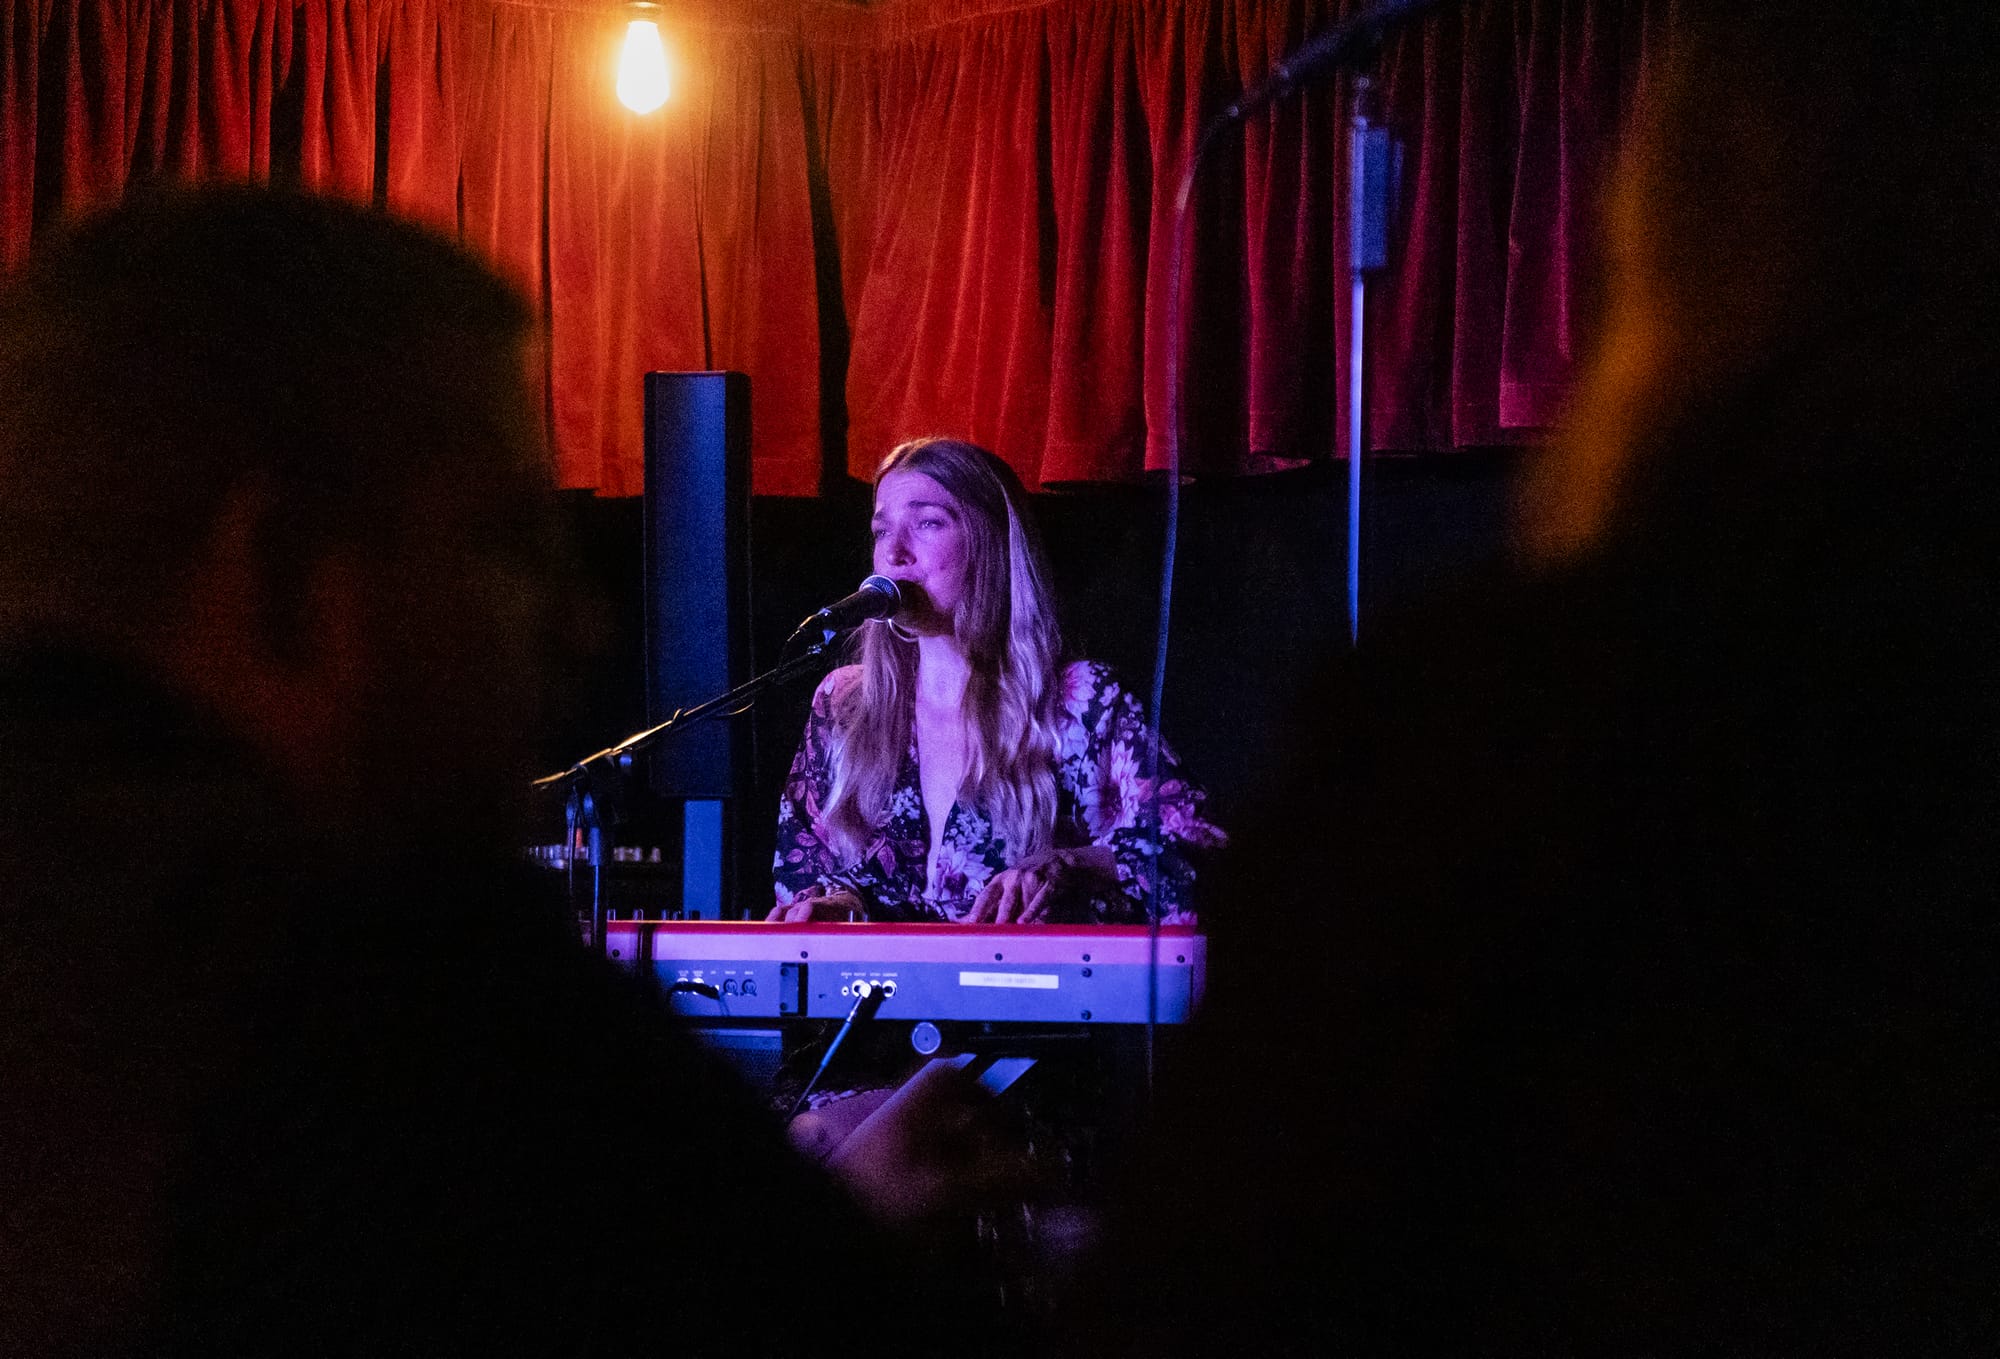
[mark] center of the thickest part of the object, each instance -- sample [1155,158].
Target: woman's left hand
[1025,893]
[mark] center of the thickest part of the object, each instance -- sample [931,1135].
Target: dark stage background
[1259,597]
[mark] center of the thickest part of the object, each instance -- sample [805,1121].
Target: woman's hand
[816,903]
[1025,893]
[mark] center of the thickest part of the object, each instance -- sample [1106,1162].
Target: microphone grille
[883,585]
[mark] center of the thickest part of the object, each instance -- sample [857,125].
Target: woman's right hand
[816,903]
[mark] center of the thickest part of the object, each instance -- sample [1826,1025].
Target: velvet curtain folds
[918,216]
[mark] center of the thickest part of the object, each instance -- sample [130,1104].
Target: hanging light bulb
[642,67]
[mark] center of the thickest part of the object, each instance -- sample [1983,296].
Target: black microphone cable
[872,994]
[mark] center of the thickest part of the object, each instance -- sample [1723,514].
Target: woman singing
[960,771]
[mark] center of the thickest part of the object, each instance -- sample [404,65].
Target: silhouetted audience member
[291,1059]
[1650,1005]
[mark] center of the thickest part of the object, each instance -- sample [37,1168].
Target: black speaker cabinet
[697,555]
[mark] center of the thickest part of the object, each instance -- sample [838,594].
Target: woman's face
[921,544]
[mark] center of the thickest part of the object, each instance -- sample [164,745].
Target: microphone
[878,597]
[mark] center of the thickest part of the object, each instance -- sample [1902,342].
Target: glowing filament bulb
[642,69]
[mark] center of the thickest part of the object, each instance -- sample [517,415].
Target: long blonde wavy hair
[1007,625]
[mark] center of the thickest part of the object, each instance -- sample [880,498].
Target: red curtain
[925,216]
[681,240]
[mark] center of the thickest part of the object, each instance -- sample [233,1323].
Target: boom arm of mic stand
[584,807]
[722,703]
[1339,45]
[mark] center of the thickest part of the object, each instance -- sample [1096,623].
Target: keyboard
[1042,974]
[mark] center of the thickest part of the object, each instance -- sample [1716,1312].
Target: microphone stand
[591,782]
[1374,163]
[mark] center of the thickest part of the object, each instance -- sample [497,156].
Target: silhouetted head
[1800,234]
[281,451]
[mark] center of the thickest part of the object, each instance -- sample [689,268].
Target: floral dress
[1101,799]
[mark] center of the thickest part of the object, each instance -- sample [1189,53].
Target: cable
[1156,696]
[870,1000]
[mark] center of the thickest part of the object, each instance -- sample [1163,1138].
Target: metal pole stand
[1373,162]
